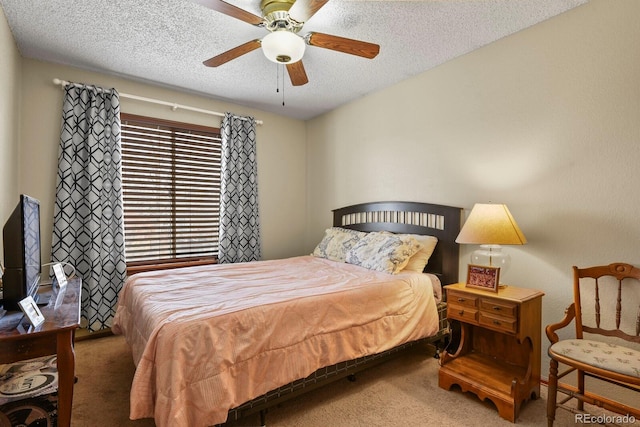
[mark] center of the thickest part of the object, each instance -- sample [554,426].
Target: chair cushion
[612,357]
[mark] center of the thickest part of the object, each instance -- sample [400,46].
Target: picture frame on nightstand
[31,311]
[483,277]
[60,276]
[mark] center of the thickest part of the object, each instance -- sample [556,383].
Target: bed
[233,339]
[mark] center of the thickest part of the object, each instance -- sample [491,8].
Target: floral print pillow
[382,251]
[336,243]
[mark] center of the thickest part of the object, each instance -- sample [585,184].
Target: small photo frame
[31,310]
[61,277]
[483,277]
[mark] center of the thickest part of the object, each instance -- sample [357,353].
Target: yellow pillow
[420,259]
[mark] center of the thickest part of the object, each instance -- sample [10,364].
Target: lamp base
[492,256]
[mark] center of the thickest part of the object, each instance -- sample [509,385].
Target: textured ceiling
[165,41]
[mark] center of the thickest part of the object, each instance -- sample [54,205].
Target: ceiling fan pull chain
[277,78]
[282,74]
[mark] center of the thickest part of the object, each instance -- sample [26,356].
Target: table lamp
[490,226]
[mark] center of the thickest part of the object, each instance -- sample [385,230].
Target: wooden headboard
[440,221]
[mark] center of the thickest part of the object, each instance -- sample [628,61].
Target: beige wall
[9,106]
[281,155]
[546,121]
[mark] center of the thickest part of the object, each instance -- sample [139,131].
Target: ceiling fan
[284,19]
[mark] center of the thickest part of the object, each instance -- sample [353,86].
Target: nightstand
[498,357]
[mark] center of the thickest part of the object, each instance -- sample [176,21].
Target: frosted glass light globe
[283,47]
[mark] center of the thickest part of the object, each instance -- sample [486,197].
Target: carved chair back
[602,294]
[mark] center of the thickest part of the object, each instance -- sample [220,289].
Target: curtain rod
[173,106]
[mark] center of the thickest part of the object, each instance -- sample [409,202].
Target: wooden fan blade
[342,44]
[231,10]
[297,74]
[227,56]
[303,10]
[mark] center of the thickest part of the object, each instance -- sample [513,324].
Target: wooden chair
[597,355]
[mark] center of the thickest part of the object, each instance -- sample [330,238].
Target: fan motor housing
[270,6]
[276,16]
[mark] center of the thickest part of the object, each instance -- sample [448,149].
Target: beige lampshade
[491,224]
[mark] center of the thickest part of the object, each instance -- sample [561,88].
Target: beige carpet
[402,392]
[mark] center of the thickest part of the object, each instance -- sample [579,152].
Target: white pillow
[336,243]
[420,259]
[383,251]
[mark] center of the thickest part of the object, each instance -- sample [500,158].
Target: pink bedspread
[207,339]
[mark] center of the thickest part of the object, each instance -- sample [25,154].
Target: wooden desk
[54,336]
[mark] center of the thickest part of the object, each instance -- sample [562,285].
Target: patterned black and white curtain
[239,225]
[88,229]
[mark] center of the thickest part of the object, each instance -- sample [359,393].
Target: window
[171,190]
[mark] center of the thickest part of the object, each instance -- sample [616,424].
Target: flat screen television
[21,245]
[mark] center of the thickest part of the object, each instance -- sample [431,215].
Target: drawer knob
[496,322]
[460,299]
[496,308]
[461,312]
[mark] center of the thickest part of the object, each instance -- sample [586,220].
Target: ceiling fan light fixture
[283,47]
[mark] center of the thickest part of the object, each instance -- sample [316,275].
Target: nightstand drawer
[498,307]
[460,312]
[463,299]
[502,324]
